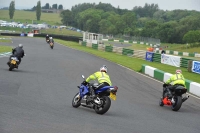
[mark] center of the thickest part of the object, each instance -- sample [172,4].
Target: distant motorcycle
[51,44]
[13,63]
[47,40]
[176,101]
[97,99]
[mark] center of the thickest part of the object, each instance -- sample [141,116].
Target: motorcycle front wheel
[76,102]
[178,102]
[11,67]
[104,106]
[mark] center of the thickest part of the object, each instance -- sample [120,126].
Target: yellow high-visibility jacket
[176,79]
[101,77]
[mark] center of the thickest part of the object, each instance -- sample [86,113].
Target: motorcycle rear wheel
[106,103]
[178,102]
[76,102]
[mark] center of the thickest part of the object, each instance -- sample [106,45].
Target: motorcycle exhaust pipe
[87,106]
[185,98]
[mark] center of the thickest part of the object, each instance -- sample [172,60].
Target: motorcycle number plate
[113,96]
[13,62]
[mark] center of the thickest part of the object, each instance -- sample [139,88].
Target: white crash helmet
[178,71]
[104,68]
[20,45]
[50,37]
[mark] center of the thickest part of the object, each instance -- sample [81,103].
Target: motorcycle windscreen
[83,90]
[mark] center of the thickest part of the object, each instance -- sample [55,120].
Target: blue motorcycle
[91,97]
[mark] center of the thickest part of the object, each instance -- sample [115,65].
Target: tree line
[36,8]
[177,26]
[47,6]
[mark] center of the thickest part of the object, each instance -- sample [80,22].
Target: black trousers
[101,85]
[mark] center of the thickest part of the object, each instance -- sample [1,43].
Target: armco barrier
[11,34]
[191,86]
[62,37]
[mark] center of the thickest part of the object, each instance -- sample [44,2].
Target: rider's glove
[85,83]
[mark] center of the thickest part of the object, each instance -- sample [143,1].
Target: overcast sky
[123,4]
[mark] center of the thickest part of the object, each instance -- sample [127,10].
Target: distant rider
[51,40]
[47,37]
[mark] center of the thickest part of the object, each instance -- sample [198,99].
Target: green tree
[46,6]
[34,8]
[104,26]
[38,10]
[130,21]
[54,6]
[167,32]
[89,19]
[192,37]
[67,17]
[60,7]
[150,29]
[11,9]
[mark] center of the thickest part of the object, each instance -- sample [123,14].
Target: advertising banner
[171,60]
[22,34]
[149,56]
[196,67]
[30,34]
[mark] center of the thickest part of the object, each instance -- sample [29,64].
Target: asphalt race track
[36,98]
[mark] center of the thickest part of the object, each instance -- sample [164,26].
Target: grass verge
[5,49]
[130,62]
[4,39]
[30,16]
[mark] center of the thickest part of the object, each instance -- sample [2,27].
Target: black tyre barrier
[62,37]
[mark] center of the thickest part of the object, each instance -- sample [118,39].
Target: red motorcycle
[176,101]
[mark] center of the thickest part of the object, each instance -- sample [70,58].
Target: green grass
[132,63]
[46,31]
[61,32]
[16,29]
[29,16]
[5,40]
[5,48]
[173,47]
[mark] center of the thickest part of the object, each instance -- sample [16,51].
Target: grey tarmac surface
[36,98]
